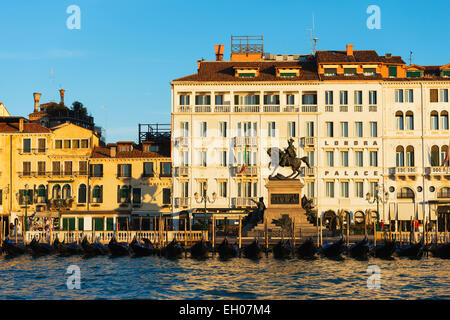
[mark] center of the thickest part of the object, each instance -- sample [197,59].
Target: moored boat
[92,249]
[412,251]
[66,249]
[117,249]
[226,250]
[307,250]
[282,250]
[173,250]
[140,249]
[200,250]
[13,249]
[440,250]
[359,250]
[333,250]
[253,250]
[385,250]
[40,249]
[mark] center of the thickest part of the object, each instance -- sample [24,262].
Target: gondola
[333,250]
[140,249]
[412,251]
[66,249]
[173,250]
[92,249]
[440,250]
[226,250]
[40,249]
[359,250]
[13,249]
[385,250]
[117,249]
[200,250]
[253,251]
[307,250]
[282,250]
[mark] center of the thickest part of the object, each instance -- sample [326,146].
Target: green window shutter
[257,99]
[413,74]
[393,71]
[446,73]
[71,224]
[64,226]
[109,224]
[98,224]
[236,99]
[81,224]
[247,75]
[166,196]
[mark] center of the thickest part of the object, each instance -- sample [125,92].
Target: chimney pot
[37,97]
[20,125]
[388,55]
[113,151]
[61,93]
[349,50]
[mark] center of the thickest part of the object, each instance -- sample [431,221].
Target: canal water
[157,278]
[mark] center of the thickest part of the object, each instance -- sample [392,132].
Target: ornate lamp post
[205,198]
[383,198]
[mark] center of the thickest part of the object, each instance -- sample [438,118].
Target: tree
[78,108]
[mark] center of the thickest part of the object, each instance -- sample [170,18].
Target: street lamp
[26,207]
[378,199]
[205,198]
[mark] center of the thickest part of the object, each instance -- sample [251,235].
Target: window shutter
[433,95]
[257,99]
[236,99]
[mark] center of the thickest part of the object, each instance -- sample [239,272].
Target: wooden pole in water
[266,234]
[375,233]
[140,228]
[321,233]
[214,233]
[93,231]
[348,227]
[318,228]
[240,232]
[293,233]
[1,231]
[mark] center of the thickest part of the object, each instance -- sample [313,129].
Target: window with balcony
[26,167]
[271,99]
[434,156]
[290,99]
[328,97]
[184,99]
[358,98]
[56,192]
[219,99]
[343,97]
[309,98]
[203,100]
[373,129]
[399,125]
[66,192]
[410,156]
[400,156]
[246,99]
[97,194]
[41,194]
[247,129]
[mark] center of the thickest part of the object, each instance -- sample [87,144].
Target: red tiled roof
[365,56]
[225,71]
[105,152]
[28,127]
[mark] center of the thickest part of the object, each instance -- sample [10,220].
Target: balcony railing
[404,170]
[182,202]
[25,174]
[245,141]
[372,108]
[222,109]
[343,108]
[358,108]
[309,108]
[291,108]
[438,170]
[271,108]
[246,108]
[185,108]
[309,172]
[183,171]
[308,141]
[328,108]
[202,108]
[244,201]
[248,171]
[182,141]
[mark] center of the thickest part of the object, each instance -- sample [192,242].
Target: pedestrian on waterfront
[11,229]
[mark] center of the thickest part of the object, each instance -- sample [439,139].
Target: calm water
[157,278]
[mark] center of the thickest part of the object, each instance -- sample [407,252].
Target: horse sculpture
[287,160]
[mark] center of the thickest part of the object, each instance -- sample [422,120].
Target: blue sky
[127,52]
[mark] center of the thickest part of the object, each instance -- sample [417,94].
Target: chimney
[219,52]
[198,64]
[349,50]
[37,97]
[388,55]
[113,151]
[21,125]
[61,93]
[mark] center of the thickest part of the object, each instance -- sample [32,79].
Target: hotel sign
[284,198]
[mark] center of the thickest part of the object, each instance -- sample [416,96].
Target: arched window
[444,192]
[66,192]
[399,120]
[444,120]
[410,156]
[359,217]
[435,156]
[41,194]
[434,120]
[444,152]
[405,193]
[409,119]
[56,192]
[82,193]
[400,156]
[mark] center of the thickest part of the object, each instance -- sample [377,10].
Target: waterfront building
[64,174]
[368,124]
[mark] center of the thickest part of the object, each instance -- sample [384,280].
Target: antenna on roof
[410,57]
[314,40]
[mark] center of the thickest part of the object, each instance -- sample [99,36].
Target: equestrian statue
[287,158]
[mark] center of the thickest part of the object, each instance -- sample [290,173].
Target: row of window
[405,121]
[405,156]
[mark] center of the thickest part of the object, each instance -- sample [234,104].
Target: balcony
[182,202]
[372,108]
[437,171]
[182,141]
[291,108]
[343,108]
[358,108]
[245,141]
[271,108]
[244,202]
[405,171]
[308,141]
[27,174]
[328,108]
[82,173]
[202,109]
[184,108]
[222,109]
[248,171]
[309,108]
[246,108]
[308,172]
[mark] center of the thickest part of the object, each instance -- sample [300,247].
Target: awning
[406,211]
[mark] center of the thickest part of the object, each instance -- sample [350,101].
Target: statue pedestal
[285,199]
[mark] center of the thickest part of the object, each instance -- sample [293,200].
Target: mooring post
[375,233]
[348,227]
[240,232]
[1,230]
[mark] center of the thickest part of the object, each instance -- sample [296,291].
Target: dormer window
[330,71]
[445,73]
[349,72]
[244,72]
[392,71]
[414,73]
[370,71]
[288,72]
